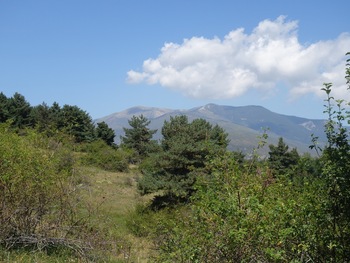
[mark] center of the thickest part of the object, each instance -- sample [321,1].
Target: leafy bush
[37,205]
[246,216]
[106,157]
[336,171]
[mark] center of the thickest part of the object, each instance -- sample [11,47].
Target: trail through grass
[112,198]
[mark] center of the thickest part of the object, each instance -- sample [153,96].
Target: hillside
[243,124]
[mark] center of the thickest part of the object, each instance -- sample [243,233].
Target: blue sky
[106,56]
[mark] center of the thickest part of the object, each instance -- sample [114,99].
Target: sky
[109,55]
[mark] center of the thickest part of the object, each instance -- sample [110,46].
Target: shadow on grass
[160,202]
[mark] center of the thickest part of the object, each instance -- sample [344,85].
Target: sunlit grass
[112,198]
[108,201]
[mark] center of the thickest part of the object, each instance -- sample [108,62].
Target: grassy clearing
[108,201]
[111,199]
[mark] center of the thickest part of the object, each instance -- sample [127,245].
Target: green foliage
[238,215]
[41,117]
[19,111]
[139,136]
[280,159]
[185,148]
[77,123]
[105,133]
[290,208]
[336,159]
[308,165]
[141,221]
[69,119]
[242,212]
[37,206]
[104,156]
[55,114]
[47,119]
[4,114]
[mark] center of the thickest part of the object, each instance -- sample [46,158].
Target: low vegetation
[69,194]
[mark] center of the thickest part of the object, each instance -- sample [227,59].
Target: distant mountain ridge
[244,124]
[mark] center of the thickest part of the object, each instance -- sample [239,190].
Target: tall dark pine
[105,133]
[280,158]
[40,117]
[77,123]
[139,136]
[185,149]
[4,114]
[19,111]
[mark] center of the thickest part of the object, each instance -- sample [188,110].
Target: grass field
[113,198]
[107,201]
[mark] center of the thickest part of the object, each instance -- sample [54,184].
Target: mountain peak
[148,112]
[242,123]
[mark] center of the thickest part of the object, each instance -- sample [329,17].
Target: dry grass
[111,198]
[107,201]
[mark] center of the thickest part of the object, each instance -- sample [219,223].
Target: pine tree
[4,114]
[139,136]
[76,122]
[185,149]
[40,117]
[105,133]
[280,159]
[19,111]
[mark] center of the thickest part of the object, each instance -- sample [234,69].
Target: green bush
[240,215]
[106,157]
[37,200]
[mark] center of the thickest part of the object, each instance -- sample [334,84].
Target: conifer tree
[19,111]
[185,148]
[105,133]
[76,122]
[139,136]
[280,159]
[4,114]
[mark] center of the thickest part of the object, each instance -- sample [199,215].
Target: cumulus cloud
[226,68]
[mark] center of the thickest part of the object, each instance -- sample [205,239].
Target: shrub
[106,157]
[242,215]
[37,205]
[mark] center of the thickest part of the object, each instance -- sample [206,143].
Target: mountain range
[244,124]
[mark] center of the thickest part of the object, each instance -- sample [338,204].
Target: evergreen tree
[139,136]
[105,133]
[19,111]
[47,119]
[40,117]
[55,115]
[76,122]
[4,114]
[280,159]
[186,147]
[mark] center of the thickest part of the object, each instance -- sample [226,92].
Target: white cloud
[271,54]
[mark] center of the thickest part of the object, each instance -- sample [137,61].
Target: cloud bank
[265,60]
